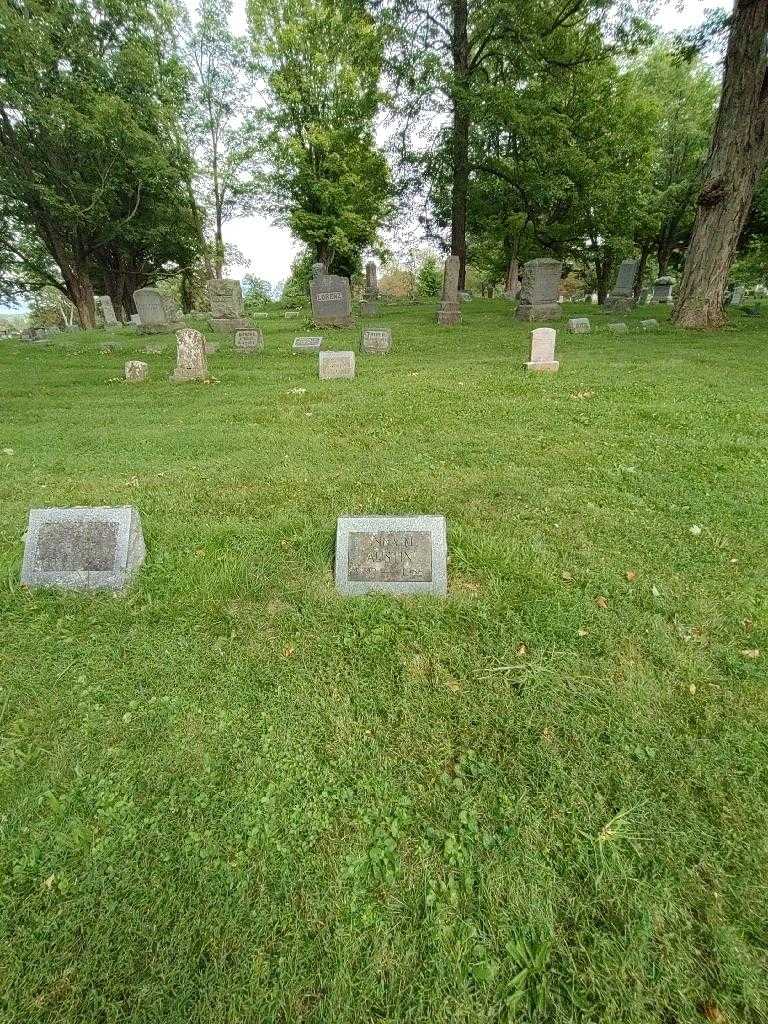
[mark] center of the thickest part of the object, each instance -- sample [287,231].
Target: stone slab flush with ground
[376,342]
[336,365]
[82,548]
[391,555]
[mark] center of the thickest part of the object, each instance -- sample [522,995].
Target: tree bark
[460,139]
[512,283]
[645,252]
[736,158]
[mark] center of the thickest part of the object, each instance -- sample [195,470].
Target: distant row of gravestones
[102,548]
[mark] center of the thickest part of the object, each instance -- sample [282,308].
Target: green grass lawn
[233,796]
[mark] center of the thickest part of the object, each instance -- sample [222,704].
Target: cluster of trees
[129,137]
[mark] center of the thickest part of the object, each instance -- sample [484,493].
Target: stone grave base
[180,376]
[548,311]
[161,328]
[449,314]
[619,304]
[228,325]
[333,321]
[369,308]
[541,367]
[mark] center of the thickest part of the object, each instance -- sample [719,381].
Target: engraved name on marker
[392,557]
[329,297]
[72,547]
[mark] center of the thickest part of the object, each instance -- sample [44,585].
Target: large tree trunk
[736,158]
[512,283]
[645,252]
[461,123]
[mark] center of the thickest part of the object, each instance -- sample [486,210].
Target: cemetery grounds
[235,796]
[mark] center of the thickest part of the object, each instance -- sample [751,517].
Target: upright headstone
[107,310]
[335,365]
[136,371]
[391,555]
[249,341]
[331,300]
[376,342]
[135,319]
[191,363]
[662,290]
[449,313]
[226,300]
[82,548]
[540,291]
[579,325]
[153,312]
[644,297]
[368,305]
[543,351]
[622,296]
[737,297]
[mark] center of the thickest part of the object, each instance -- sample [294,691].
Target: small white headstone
[191,363]
[543,351]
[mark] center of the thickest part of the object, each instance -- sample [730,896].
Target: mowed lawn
[232,796]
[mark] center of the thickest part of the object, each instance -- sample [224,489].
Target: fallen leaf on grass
[583,394]
[521,650]
[631,575]
[567,577]
[655,591]
[48,883]
[747,624]
[695,530]
[583,632]
[713,1013]
[296,391]
[547,736]
[288,651]
[692,689]
[8,451]
[601,601]
[751,652]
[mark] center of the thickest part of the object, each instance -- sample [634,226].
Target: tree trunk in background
[645,252]
[512,283]
[460,141]
[736,158]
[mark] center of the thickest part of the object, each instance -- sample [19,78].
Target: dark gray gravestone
[226,300]
[391,555]
[82,548]
[662,290]
[540,291]
[309,343]
[376,342]
[622,297]
[331,300]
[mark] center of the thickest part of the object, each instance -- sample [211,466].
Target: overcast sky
[270,250]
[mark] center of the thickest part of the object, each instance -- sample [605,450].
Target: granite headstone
[391,554]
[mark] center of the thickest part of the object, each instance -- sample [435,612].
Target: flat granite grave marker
[617,328]
[622,297]
[136,371]
[540,291]
[391,555]
[191,363]
[336,365]
[579,325]
[82,548]
[331,300]
[376,342]
[649,325]
[449,314]
[543,351]
[226,301]
[249,341]
[307,343]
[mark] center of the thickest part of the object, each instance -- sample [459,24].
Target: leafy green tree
[321,62]
[87,158]
[217,118]
[429,278]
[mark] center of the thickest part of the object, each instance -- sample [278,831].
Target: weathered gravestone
[136,371]
[391,554]
[449,313]
[153,310]
[662,290]
[644,297]
[622,296]
[331,300]
[377,342]
[249,341]
[191,363]
[618,328]
[307,343]
[226,301]
[105,310]
[737,297]
[336,365]
[82,548]
[579,325]
[368,306]
[540,291]
[649,325]
[543,351]
[211,347]
[135,319]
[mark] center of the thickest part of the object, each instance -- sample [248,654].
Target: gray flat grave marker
[649,325]
[579,325]
[336,365]
[308,343]
[376,342]
[249,341]
[618,328]
[391,555]
[82,548]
